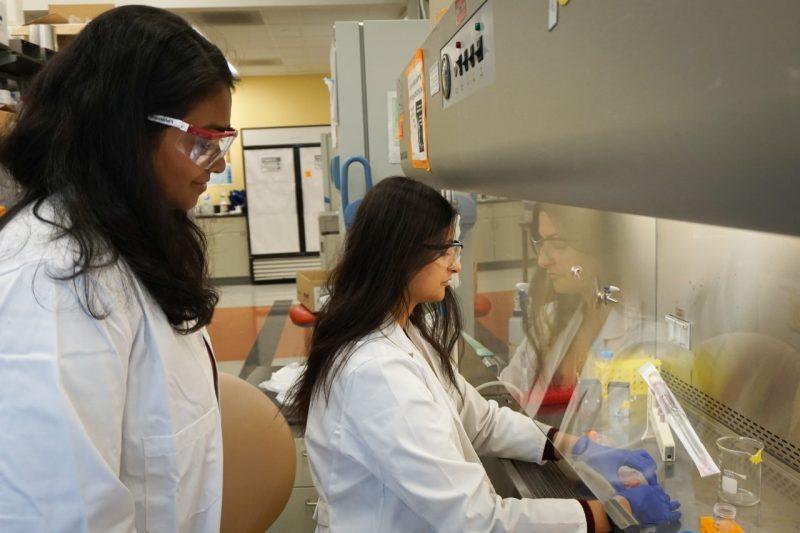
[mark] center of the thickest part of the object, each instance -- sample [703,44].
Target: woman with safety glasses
[576,251]
[108,394]
[393,432]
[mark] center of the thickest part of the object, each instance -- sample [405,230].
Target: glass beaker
[740,466]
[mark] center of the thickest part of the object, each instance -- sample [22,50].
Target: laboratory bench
[777,512]
[221,215]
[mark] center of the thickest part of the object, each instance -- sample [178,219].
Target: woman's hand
[649,504]
[607,461]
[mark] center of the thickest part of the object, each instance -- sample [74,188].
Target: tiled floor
[238,331]
[251,324]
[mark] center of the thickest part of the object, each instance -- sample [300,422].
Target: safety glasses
[451,253]
[203,147]
[549,246]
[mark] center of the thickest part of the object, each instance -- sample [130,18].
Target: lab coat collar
[392,331]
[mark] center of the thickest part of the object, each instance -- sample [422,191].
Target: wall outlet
[679,331]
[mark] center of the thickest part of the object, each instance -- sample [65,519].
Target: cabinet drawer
[298,515]
[302,476]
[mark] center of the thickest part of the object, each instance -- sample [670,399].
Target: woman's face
[557,257]
[180,179]
[429,284]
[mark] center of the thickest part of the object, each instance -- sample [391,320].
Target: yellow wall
[270,101]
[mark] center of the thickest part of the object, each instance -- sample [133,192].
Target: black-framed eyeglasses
[450,252]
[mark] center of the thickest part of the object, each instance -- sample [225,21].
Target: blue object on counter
[237,198]
[350,209]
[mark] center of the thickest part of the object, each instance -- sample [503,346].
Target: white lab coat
[624,328]
[107,425]
[395,449]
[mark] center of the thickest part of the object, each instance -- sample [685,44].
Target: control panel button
[472,55]
[459,66]
[479,49]
[465,60]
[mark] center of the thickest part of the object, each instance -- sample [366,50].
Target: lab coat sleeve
[62,396]
[409,438]
[499,431]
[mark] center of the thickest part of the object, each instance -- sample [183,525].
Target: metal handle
[305,453]
[310,504]
[345,178]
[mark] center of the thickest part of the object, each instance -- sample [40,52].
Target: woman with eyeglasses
[393,432]
[108,396]
[576,253]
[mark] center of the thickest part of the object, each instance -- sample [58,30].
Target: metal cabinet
[298,515]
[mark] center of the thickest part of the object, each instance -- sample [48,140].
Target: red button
[458,44]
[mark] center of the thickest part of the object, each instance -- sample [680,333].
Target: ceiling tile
[299,37]
[276,15]
[316,30]
[290,42]
[284,30]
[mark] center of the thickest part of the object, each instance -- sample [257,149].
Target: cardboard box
[6,119]
[311,288]
[80,13]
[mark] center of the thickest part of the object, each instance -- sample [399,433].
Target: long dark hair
[389,242]
[82,138]
[588,231]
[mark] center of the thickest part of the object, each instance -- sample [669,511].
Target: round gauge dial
[446,70]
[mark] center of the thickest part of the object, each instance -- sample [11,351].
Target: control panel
[467,61]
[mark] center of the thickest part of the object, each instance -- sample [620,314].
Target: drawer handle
[305,453]
[310,504]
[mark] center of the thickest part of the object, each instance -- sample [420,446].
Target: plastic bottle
[224,203]
[206,208]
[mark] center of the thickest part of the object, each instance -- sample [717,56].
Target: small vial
[724,517]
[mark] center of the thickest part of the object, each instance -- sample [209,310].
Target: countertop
[221,215]
[778,511]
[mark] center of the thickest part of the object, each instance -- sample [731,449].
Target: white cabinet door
[313,193]
[271,201]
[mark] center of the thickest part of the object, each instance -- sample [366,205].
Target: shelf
[61,29]
[20,59]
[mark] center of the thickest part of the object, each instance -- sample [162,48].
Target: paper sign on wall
[415,77]
[392,124]
[433,76]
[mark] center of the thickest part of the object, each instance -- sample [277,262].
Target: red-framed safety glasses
[202,146]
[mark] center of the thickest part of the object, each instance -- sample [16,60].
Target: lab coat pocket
[183,474]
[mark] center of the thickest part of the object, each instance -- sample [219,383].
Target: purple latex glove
[651,505]
[607,461]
